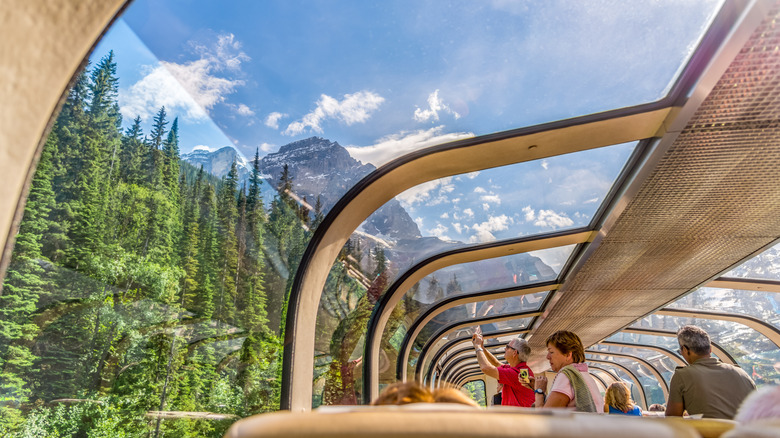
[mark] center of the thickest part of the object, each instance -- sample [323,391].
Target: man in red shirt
[515,375]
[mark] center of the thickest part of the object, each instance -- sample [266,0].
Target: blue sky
[385,78]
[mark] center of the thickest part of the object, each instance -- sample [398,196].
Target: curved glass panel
[765,266]
[515,270]
[762,305]
[646,378]
[615,373]
[512,324]
[475,390]
[754,352]
[668,342]
[663,363]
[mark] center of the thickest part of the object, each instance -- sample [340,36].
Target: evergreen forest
[138,296]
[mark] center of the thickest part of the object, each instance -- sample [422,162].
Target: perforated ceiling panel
[712,199]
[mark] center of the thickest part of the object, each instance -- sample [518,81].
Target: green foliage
[139,283]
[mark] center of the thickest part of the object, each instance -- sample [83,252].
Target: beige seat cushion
[450,421]
[756,429]
[706,427]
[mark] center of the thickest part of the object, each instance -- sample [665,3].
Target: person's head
[402,393]
[564,348]
[516,351]
[452,395]
[655,407]
[760,404]
[694,343]
[619,397]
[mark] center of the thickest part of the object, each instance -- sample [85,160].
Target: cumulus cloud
[244,110]
[459,228]
[272,121]
[439,231]
[545,164]
[547,218]
[468,212]
[493,199]
[472,175]
[486,206]
[202,147]
[444,215]
[191,88]
[484,231]
[395,145]
[430,193]
[353,108]
[435,105]
[479,190]
[267,147]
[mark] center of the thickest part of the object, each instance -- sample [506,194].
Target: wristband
[539,391]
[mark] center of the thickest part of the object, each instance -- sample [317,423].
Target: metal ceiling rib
[417,326]
[630,373]
[746,284]
[719,351]
[665,351]
[754,323]
[653,370]
[705,203]
[452,344]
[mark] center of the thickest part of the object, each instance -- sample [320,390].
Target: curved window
[754,352]
[762,305]
[765,266]
[648,380]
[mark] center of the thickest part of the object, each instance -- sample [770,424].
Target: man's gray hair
[522,347]
[696,339]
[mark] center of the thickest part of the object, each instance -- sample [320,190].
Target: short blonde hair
[452,395]
[403,393]
[619,397]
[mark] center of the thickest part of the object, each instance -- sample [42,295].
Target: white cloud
[479,190]
[545,164]
[272,121]
[495,199]
[354,108]
[395,145]
[530,214]
[267,147]
[435,104]
[486,206]
[472,175]
[189,89]
[419,221]
[244,110]
[547,218]
[439,231]
[444,215]
[423,193]
[468,212]
[484,231]
[591,201]
[201,147]
[458,227]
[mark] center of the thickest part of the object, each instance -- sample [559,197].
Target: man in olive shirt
[706,386]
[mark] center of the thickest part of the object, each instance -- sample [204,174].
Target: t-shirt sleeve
[507,375]
[561,384]
[675,388]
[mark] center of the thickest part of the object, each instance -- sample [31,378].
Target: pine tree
[25,283]
[228,249]
[171,159]
[318,214]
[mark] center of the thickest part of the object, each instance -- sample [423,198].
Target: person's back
[707,386]
[713,388]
